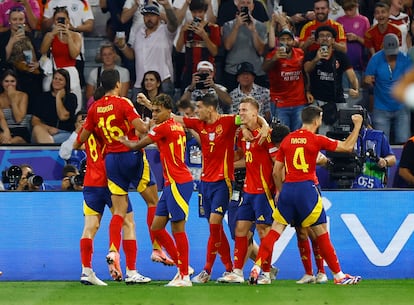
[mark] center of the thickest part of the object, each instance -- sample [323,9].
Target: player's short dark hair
[310,113]
[99,93]
[279,132]
[109,79]
[185,103]
[209,99]
[163,100]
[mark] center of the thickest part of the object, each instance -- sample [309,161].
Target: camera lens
[35,180]
[76,180]
[14,172]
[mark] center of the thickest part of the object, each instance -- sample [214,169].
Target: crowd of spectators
[285,54]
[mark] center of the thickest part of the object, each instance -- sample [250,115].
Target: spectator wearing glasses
[30,8]
[325,67]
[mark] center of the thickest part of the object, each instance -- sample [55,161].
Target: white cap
[205,65]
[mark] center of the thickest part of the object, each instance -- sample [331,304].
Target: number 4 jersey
[299,151]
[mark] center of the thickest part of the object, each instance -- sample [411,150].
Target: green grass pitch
[280,292]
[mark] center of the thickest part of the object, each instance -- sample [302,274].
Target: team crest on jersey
[74,7]
[219,129]
[211,136]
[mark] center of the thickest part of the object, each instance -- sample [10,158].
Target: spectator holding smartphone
[203,82]
[200,38]
[244,38]
[65,46]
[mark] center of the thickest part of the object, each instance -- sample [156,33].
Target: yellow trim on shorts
[146,175]
[278,217]
[115,189]
[268,193]
[314,215]
[87,211]
[179,199]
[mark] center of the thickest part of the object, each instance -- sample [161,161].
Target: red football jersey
[109,118]
[170,139]
[217,146]
[373,37]
[299,151]
[287,85]
[310,27]
[259,164]
[95,164]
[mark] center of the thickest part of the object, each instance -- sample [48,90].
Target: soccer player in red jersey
[299,201]
[258,192]
[96,195]
[173,204]
[217,133]
[108,119]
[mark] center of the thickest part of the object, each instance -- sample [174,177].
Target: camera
[201,82]
[245,10]
[35,180]
[282,48]
[61,20]
[78,179]
[344,167]
[371,155]
[345,117]
[11,176]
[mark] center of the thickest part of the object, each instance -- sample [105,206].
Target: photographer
[377,155]
[72,179]
[371,159]
[22,178]
[203,83]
